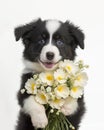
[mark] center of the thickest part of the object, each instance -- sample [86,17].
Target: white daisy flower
[76,91]
[46,77]
[69,66]
[60,76]
[57,103]
[41,97]
[62,91]
[81,79]
[31,86]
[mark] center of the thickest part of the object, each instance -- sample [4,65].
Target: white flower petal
[41,97]
[31,86]
[57,103]
[76,91]
[46,77]
[60,76]
[69,66]
[81,79]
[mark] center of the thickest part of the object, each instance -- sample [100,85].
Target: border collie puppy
[45,44]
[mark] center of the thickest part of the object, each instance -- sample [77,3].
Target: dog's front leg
[36,112]
[70,106]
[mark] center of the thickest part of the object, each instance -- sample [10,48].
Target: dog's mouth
[48,65]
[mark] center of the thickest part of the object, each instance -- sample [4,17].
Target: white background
[89,15]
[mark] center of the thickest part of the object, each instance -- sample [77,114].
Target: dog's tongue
[48,65]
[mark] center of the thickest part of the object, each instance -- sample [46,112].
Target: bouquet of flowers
[52,88]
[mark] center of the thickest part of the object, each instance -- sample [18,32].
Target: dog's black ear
[76,33]
[22,30]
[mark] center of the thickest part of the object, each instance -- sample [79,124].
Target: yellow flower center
[68,67]
[49,77]
[56,101]
[79,78]
[32,86]
[60,88]
[74,89]
[59,77]
[43,97]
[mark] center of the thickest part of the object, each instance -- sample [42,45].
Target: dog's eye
[59,42]
[41,41]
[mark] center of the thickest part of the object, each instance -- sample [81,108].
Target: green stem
[57,122]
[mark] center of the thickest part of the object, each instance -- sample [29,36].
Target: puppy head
[48,42]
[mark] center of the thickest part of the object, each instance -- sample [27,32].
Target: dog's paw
[70,107]
[39,121]
[66,110]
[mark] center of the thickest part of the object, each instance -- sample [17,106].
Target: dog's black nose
[50,55]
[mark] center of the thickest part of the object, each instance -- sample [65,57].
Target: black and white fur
[46,43]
